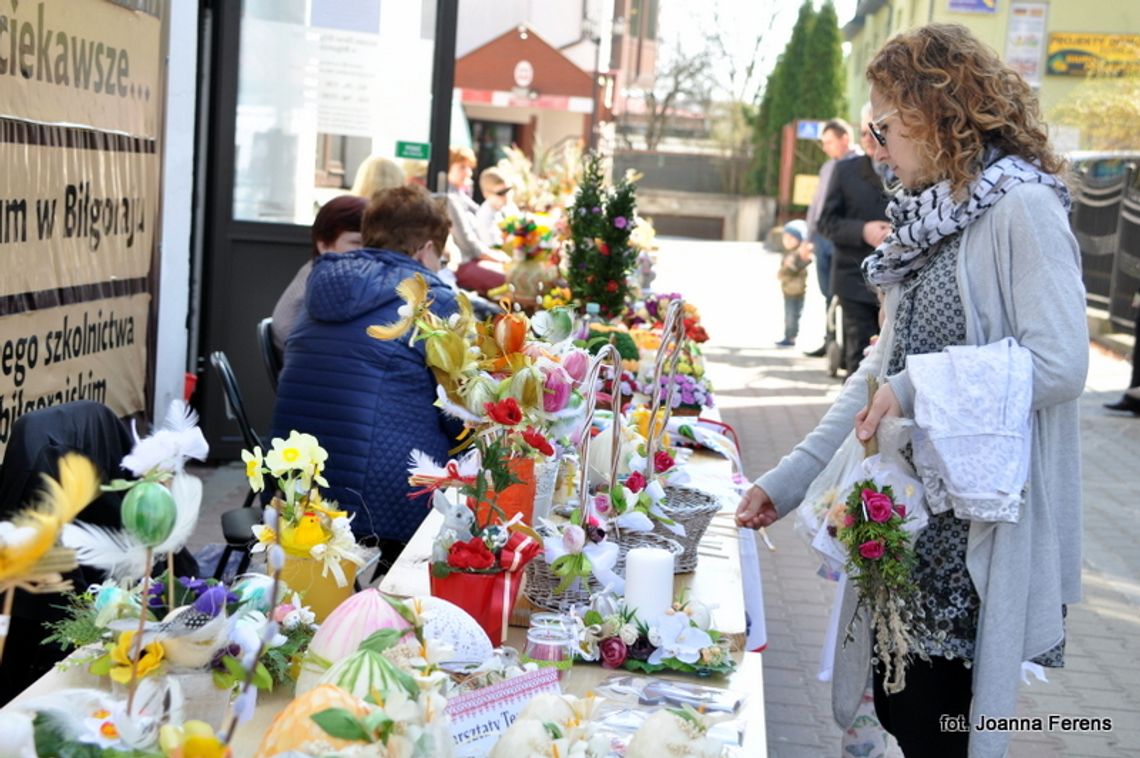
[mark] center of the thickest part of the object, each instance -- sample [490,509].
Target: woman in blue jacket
[370,402]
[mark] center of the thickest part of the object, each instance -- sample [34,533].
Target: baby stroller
[833,349]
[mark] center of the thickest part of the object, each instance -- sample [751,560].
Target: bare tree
[741,70]
[683,82]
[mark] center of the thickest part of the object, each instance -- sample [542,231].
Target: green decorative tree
[824,82]
[808,82]
[601,258]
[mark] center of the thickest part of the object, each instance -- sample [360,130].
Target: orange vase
[517,498]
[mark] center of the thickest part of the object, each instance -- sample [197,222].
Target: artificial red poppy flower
[505,412]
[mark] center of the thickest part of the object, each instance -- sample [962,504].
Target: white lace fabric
[973,417]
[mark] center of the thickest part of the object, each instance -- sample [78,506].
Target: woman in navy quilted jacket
[369,402]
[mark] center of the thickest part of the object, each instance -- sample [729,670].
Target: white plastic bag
[827,495]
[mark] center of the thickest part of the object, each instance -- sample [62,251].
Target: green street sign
[419,151]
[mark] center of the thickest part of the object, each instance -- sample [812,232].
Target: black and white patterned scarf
[920,220]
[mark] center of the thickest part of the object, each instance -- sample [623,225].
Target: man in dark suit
[854,218]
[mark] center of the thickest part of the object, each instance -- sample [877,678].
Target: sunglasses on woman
[872,126]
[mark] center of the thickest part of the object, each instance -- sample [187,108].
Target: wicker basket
[541,581]
[693,509]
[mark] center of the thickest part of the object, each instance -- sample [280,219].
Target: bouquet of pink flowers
[880,561]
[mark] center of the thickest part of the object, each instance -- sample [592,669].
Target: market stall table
[716,582]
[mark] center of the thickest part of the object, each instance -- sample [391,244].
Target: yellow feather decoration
[414,291]
[32,532]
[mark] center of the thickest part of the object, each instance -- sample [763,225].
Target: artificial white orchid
[679,639]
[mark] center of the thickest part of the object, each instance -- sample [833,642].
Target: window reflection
[322,85]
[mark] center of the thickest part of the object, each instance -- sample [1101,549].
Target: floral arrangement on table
[515,382]
[557,297]
[533,246]
[681,639]
[529,237]
[504,374]
[600,256]
[208,627]
[635,504]
[233,636]
[651,314]
[307,525]
[880,561]
[690,393]
[692,389]
[478,556]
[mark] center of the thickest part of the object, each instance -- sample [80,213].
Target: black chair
[269,352]
[237,523]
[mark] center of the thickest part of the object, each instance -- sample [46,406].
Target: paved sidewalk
[774,397]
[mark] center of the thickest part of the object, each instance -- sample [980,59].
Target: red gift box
[489,597]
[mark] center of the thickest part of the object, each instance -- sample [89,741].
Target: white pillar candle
[648,582]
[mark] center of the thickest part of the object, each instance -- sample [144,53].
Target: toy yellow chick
[307,533]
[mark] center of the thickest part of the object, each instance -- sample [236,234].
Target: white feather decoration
[422,464]
[110,550]
[168,449]
[187,492]
[455,410]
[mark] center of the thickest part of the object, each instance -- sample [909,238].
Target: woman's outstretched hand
[756,510]
[883,404]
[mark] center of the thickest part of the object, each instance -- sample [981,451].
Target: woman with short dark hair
[336,229]
[371,402]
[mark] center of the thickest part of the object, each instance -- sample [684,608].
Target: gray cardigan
[1019,276]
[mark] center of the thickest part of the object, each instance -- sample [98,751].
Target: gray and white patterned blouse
[929,319]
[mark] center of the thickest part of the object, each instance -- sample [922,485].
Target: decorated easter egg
[294,726]
[449,624]
[149,513]
[350,623]
[366,672]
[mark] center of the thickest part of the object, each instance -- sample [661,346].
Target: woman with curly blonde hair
[985,351]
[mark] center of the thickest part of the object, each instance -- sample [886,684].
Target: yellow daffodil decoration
[308,525]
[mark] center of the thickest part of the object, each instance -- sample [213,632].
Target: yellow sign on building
[1077,54]
[803,190]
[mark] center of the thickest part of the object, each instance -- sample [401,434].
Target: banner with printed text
[87,351]
[81,87]
[89,62]
[75,215]
[1078,54]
